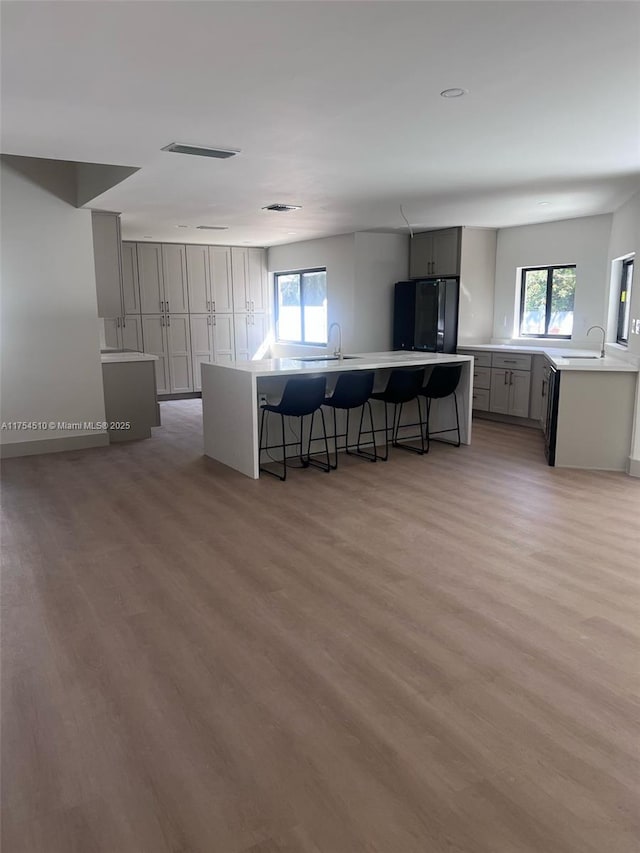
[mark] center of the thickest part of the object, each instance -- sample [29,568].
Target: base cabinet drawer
[511,361]
[481,358]
[482,378]
[481,399]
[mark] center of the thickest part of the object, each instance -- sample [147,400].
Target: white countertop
[608,364]
[564,359]
[115,357]
[363,361]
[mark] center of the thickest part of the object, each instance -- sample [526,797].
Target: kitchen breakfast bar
[231,395]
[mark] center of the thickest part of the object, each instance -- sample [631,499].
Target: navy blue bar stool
[403,387]
[442,382]
[301,397]
[352,391]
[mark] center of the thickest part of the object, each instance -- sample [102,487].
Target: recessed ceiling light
[453,93]
[281,208]
[200,150]
[544,203]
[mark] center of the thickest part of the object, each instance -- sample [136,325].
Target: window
[301,306]
[624,302]
[546,301]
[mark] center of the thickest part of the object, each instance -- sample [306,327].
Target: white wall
[583,242]
[51,367]
[361,271]
[625,240]
[477,284]
[380,261]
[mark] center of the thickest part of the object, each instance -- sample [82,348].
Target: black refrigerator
[425,315]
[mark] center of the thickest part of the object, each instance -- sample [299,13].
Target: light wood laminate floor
[432,655]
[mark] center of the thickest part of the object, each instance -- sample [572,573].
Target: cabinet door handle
[214,320]
[544,387]
[506,373]
[162,320]
[247,303]
[511,377]
[213,305]
[167,308]
[253,305]
[124,322]
[208,305]
[208,319]
[168,320]
[509,361]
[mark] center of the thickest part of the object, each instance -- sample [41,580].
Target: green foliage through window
[547,301]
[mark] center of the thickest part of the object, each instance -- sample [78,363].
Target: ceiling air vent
[281,208]
[212,227]
[200,150]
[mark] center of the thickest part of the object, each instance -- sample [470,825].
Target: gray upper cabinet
[435,253]
[151,278]
[240,276]
[130,284]
[198,279]
[108,263]
[249,275]
[209,278]
[257,270]
[220,276]
[174,270]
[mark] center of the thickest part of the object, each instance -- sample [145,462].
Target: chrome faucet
[604,335]
[338,350]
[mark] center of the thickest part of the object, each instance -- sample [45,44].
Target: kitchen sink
[325,358]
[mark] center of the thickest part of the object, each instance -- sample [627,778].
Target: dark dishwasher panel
[552,389]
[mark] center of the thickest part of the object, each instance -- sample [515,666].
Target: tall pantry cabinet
[164,305]
[198,304]
[211,301]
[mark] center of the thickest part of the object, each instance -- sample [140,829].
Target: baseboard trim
[634,467]
[191,395]
[507,419]
[52,445]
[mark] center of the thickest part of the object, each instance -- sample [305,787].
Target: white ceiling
[335,106]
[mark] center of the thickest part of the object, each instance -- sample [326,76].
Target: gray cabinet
[179,353]
[505,383]
[124,333]
[209,279]
[151,278]
[220,274]
[155,342]
[168,337]
[435,253]
[198,278]
[108,263]
[250,332]
[510,392]
[130,283]
[174,275]
[211,341]
[249,276]
[198,304]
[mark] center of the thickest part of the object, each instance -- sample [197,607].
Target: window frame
[549,294]
[300,273]
[624,305]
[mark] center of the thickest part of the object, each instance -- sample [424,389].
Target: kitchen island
[231,394]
